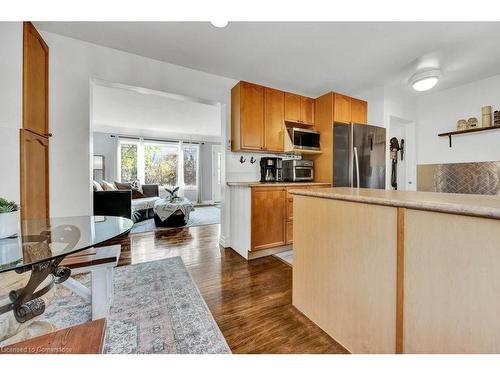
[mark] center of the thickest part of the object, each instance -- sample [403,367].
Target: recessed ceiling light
[426,80]
[219,23]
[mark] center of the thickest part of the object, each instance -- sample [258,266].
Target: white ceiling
[306,57]
[144,112]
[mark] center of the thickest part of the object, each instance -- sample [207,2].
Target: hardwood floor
[251,301]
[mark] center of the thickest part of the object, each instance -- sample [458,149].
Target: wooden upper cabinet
[292,107]
[247,117]
[274,120]
[359,111]
[268,217]
[35,81]
[307,110]
[299,109]
[342,108]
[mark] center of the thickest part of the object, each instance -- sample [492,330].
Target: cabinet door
[35,81]
[34,175]
[307,110]
[289,232]
[342,108]
[292,107]
[268,217]
[252,116]
[274,117]
[359,111]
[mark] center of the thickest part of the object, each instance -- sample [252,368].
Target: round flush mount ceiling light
[219,23]
[423,81]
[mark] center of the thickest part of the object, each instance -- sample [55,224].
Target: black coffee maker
[270,170]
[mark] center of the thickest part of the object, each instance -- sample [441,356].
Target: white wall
[106,145]
[11,73]
[438,112]
[73,64]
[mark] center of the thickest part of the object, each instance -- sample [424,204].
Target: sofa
[120,203]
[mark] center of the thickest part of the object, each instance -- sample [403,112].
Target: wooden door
[307,110]
[268,217]
[252,116]
[292,107]
[342,108]
[359,111]
[35,81]
[34,141]
[34,175]
[274,116]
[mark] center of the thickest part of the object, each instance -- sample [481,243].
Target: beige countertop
[462,204]
[257,183]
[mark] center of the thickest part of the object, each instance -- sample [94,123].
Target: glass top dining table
[46,239]
[40,247]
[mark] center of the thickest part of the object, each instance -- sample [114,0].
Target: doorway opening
[406,171]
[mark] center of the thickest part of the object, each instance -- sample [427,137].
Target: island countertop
[487,206]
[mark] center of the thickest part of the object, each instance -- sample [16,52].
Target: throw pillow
[108,186]
[128,186]
[97,186]
[136,185]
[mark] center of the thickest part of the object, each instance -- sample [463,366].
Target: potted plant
[9,218]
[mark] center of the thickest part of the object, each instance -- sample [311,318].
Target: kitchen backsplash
[464,178]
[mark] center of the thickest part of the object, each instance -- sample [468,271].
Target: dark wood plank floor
[250,301]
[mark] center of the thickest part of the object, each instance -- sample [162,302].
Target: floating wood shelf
[467,131]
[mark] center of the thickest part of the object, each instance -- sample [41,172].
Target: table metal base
[26,302]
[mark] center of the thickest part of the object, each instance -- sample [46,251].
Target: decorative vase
[461,125]
[9,224]
[486,116]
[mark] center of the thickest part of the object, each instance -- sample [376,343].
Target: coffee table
[172,213]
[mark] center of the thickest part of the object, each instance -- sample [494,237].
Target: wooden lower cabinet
[268,217]
[289,232]
[272,216]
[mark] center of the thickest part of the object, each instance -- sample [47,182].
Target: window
[128,158]
[163,163]
[190,156]
[160,164]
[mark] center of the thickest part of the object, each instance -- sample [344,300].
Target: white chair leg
[100,293]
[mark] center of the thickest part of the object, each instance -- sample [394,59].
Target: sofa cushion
[107,186]
[97,186]
[136,193]
[143,203]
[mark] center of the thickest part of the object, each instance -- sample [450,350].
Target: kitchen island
[384,271]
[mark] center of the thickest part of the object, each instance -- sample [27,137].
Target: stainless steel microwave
[304,139]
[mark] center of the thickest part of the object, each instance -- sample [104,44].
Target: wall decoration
[486,116]
[472,123]
[461,125]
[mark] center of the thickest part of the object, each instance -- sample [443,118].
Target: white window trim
[180,160]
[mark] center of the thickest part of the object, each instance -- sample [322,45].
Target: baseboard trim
[224,242]
[266,252]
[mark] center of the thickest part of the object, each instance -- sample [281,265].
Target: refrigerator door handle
[351,157]
[356,160]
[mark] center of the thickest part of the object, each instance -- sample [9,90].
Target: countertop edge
[284,183]
[442,207]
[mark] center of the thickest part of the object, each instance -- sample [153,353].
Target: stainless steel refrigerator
[359,156]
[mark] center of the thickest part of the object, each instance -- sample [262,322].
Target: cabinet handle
[48,135]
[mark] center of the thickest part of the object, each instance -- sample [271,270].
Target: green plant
[173,193]
[7,206]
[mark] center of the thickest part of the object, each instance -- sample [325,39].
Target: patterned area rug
[157,308]
[200,216]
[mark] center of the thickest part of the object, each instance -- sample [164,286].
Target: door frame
[216,148]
